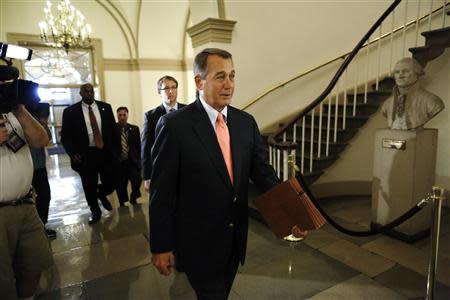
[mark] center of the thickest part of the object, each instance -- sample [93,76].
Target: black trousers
[42,189]
[129,172]
[98,162]
[218,286]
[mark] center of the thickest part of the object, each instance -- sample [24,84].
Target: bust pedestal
[403,174]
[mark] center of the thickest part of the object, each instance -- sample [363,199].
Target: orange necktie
[223,137]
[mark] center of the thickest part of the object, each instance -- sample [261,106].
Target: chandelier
[67,29]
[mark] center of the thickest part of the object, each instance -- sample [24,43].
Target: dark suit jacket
[134,143]
[195,209]
[148,137]
[74,136]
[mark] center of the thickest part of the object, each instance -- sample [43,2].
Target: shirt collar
[212,112]
[168,108]
[93,105]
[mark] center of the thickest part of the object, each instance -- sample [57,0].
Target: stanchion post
[437,197]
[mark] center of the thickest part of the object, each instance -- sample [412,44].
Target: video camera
[15,91]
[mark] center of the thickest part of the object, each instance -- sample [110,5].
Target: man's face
[87,93]
[168,92]
[404,74]
[122,116]
[218,86]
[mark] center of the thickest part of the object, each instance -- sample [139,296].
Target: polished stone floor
[111,260]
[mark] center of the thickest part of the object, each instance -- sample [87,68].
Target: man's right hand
[163,262]
[147,185]
[4,136]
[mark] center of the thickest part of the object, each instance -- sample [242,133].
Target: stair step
[439,36]
[426,53]
[373,97]
[310,177]
[318,163]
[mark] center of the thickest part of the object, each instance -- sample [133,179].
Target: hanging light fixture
[67,29]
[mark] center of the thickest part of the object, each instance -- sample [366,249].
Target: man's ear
[198,82]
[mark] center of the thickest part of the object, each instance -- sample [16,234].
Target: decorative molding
[211,30]
[221,9]
[112,64]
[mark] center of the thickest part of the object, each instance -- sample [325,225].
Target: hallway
[111,259]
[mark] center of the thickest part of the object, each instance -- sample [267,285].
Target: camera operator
[24,247]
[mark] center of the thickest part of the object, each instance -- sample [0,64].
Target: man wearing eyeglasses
[167,87]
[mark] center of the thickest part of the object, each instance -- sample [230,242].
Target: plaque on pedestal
[403,174]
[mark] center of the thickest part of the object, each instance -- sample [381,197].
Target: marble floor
[111,259]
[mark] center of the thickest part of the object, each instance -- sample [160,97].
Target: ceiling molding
[113,64]
[211,30]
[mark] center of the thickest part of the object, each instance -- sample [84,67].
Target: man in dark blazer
[89,136]
[130,158]
[199,205]
[167,87]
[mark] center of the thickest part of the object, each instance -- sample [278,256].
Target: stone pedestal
[403,174]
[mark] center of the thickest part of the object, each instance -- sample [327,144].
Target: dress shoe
[94,219]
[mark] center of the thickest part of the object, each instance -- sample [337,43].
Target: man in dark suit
[203,158]
[167,87]
[89,136]
[130,158]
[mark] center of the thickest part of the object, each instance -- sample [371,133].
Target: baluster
[278,163]
[367,70]
[274,158]
[344,111]
[429,16]
[355,89]
[443,13]
[336,113]
[294,130]
[311,147]
[302,159]
[379,56]
[417,23]
[285,165]
[391,55]
[270,155]
[404,28]
[319,139]
[284,136]
[327,146]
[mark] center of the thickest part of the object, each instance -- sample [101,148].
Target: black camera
[14,91]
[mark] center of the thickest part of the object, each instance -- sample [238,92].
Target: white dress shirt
[213,113]
[87,120]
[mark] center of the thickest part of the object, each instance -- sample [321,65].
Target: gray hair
[201,60]
[417,68]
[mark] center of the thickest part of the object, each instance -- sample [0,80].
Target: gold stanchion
[292,168]
[437,197]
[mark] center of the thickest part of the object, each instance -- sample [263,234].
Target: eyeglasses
[166,89]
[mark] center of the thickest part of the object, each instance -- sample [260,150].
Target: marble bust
[411,106]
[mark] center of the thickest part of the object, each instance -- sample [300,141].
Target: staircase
[319,141]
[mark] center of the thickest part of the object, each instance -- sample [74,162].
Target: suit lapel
[79,112]
[233,128]
[207,136]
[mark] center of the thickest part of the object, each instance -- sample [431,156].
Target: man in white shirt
[24,248]
[89,136]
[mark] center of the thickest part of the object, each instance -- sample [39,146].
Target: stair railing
[314,131]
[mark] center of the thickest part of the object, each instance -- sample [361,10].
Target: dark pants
[129,172]
[42,189]
[98,162]
[218,286]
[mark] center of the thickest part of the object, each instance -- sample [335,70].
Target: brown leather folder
[287,205]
